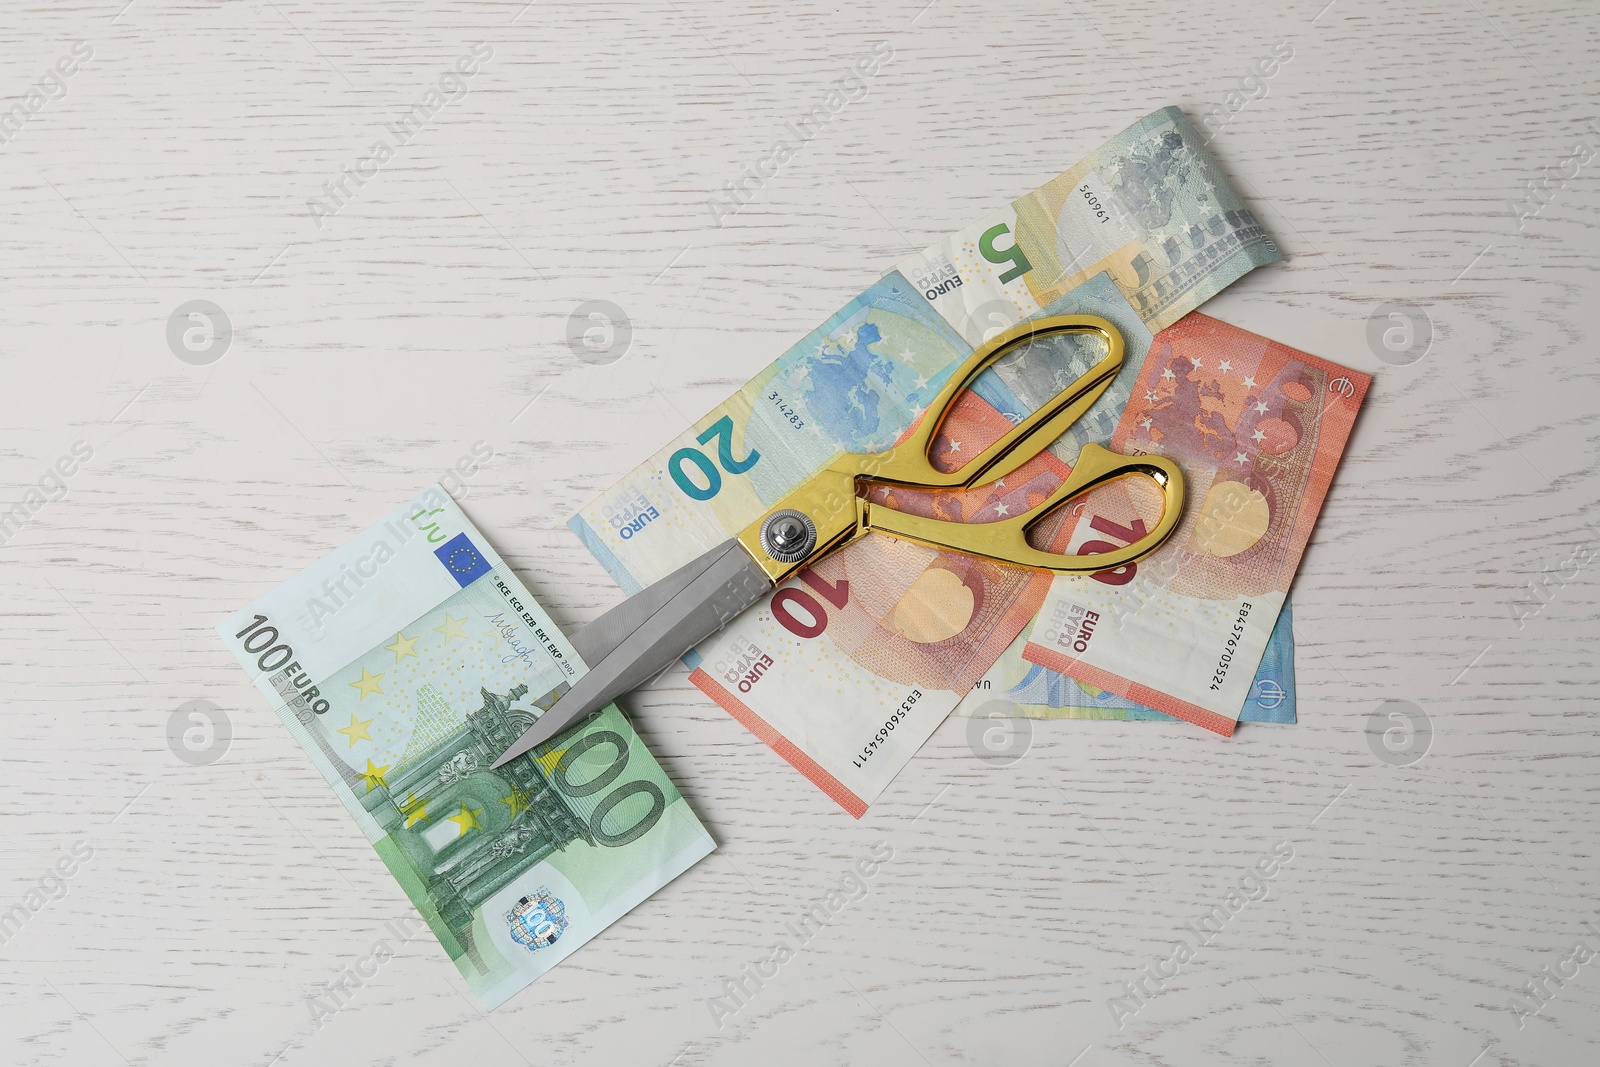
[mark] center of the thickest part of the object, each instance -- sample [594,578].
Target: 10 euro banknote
[1017,386]
[1015,688]
[1258,429]
[1147,225]
[404,663]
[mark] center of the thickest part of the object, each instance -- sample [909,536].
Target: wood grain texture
[371,351]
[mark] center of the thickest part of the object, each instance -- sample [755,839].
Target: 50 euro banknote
[1141,231]
[404,663]
[1258,429]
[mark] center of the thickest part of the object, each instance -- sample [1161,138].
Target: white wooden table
[371,346]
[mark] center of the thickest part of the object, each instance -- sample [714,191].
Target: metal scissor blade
[597,640]
[727,584]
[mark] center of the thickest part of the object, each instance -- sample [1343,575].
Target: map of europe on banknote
[404,663]
[1147,227]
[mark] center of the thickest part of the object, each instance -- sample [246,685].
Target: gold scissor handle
[1007,541]
[831,501]
[909,462]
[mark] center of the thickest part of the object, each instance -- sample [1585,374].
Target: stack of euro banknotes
[408,659]
[847,688]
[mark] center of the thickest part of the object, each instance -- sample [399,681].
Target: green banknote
[404,663]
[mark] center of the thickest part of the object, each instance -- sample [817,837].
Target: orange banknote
[1258,429]
[847,668]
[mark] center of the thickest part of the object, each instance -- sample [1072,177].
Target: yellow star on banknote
[452,627]
[367,683]
[517,800]
[414,810]
[373,775]
[468,819]
[403,646]
[357,730]
[547,762]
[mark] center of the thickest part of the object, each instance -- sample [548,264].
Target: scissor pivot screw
[789,536]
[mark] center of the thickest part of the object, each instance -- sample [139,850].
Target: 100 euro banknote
[1258,429]
[1159,231]
[404,663]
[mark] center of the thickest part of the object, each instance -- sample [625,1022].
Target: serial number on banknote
[1096,209]
[1226,659]
[887,728]
[786,409]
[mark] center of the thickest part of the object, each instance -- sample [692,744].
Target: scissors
[642,636]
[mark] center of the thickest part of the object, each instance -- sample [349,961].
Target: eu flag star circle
[462,559]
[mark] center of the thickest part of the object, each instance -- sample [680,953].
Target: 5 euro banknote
[404,663]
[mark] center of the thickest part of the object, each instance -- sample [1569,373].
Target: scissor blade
[728,584]
[597,640]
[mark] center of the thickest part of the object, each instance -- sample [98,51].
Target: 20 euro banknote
[1258,429]
[404,663]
